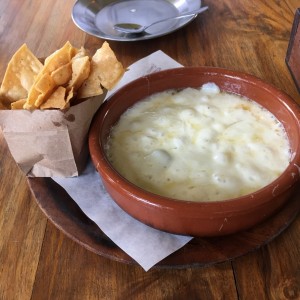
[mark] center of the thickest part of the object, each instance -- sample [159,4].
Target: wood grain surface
[37,261]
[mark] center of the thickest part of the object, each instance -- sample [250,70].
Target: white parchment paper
[147,246]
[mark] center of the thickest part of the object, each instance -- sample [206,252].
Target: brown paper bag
[46,143]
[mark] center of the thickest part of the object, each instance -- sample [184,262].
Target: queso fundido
[198,145]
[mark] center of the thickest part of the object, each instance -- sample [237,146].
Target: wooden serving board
[67,216]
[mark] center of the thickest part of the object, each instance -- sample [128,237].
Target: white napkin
[147,246]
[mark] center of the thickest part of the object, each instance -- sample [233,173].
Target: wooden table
[37,261]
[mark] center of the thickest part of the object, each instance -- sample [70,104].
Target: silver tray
[98,17]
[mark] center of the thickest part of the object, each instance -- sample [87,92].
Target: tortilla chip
[18,104]
[106,70]
[20,74]
[45,86]
[90,88]
[81,53]
[56,100]
[53,62]
[34,95]
[59,58]
[68,74]
[80,72]
[109,69]
[70,96]
[62,75]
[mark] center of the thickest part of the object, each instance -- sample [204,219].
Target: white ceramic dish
[98,17]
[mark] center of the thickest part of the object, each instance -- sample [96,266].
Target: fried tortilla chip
[109,69]
[106,71]
[45,84]
[55,61]
[20,74]
[56,100]
[59,57]
[45,87]
[69,97]
[18,104]
[80,72]
[68,76]
[62,75]
[81,52]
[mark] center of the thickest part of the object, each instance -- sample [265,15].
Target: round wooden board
[67,216]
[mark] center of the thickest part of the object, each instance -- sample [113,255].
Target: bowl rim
[107,171]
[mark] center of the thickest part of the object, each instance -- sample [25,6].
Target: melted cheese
[198,145]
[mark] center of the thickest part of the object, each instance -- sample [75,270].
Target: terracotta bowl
[197,218]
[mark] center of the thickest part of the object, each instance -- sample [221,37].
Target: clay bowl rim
[233,205]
